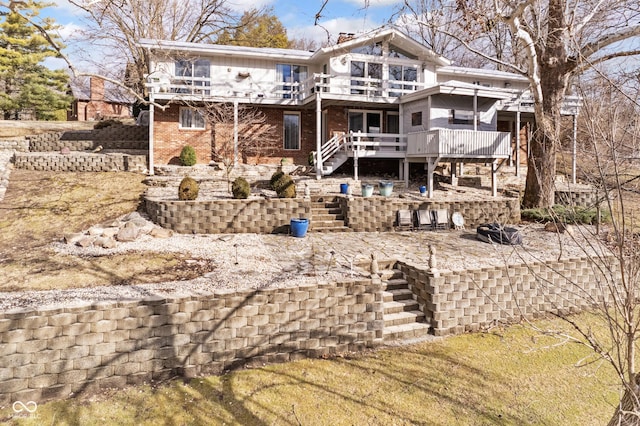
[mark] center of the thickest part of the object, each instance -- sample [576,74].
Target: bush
[188,156]
[285,187]
[566,214]
[106,123]
[240,188]
[311,158]
[188,189]
[274,178]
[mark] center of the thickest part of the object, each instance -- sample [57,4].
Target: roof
[390,34]
[459,88]
[481,72]
[80,88]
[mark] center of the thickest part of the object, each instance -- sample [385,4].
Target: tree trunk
[541,172]
[628,412]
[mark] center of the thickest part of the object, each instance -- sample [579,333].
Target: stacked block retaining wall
[459,301]
[112,137]
[19,145]
[80,162]
[49,354]
[268,216]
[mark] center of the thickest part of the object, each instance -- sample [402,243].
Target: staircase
[327,215]
[403,319]
[332,163]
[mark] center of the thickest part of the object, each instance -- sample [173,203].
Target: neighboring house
[381,95]
[93,100]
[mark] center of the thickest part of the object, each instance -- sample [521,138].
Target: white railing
[389,142]
[459,144]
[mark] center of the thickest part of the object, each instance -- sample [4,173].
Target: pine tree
[25,83]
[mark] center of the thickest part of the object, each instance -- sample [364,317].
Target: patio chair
[441,217]
[425,220]
[405,219]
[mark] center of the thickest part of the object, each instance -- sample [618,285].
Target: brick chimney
[344,37]
[96,88]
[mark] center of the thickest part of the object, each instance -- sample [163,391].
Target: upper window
[459,116]
[398,73]
[395,52]
[194,75]
[191,119]
[287,73]
[366,74]
[371,49]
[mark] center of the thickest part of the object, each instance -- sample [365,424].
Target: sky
[297,16]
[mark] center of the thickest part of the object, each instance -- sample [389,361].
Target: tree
[25,83]
[556,40]
[117,25]
[256,29]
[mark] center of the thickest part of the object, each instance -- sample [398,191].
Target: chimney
[96,89]
[344,37]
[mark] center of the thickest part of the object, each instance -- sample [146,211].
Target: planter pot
[423,190]
[386,188]
[344,188]
[367,190]
[299,227]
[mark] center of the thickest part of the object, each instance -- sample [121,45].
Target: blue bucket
[299,227]
[423,190]
[344,188]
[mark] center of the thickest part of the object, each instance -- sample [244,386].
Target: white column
[494,179]
[575,148]
[319,158]
[518,140]
[151,119]
[431,167]
[235,132]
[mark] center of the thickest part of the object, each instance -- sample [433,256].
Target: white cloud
[373,3]
[244,5]
[332,28]
[70,31]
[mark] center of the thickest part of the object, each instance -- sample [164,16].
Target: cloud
[373,3]
[244,5]
[70,31]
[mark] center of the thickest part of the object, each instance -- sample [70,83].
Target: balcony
[467,145]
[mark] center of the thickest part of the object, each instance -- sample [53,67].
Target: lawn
[510,376]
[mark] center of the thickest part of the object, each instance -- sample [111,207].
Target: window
[416,118]
[361,70]
[458,116]
[287,73]
[400,73]
[191,119]
[291,130]
[371,49]
[193,75]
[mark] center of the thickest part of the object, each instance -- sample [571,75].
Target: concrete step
[395,295]
[319,217]
[393,307]
[327,224]
[400,318]
[390,274]
[332,229]
[401,332]
[396,284]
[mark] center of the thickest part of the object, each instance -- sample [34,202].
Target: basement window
[191,119]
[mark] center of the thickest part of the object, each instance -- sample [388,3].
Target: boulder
[86,242]
[110,232]
[128,233]
[95,231]
[158,232]
[73,238]
[106,243]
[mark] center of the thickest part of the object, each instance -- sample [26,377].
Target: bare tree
[557,40]
[256,137]
[117,25]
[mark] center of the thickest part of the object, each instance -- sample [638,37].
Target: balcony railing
[450,143]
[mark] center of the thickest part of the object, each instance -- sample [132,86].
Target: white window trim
[299,130]
[181,127]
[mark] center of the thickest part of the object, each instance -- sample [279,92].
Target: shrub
[188,156]
[285,187]
[311,158]
[188,189]
[565,214]
[240,188]
[274,178]
[106,123]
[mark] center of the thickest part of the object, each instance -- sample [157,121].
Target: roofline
[460,89]
[481,72]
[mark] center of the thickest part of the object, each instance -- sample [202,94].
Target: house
[93,100]
[381,95]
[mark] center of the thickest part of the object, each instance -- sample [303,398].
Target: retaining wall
[19,145]
[273,215]
[112,137]
[459,301]
[80,162]
[49,354]
[577,197]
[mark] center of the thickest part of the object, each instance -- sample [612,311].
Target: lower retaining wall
[459,301]
[19,145]
[81,162]
[273,215]
[48,354]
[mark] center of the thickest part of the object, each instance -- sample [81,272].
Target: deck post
[404,167]
[431,167]
[151,129]
[319,158]
[355,161]
[518,140]
[494,178]
[235,132]
[574,148]
[454,177]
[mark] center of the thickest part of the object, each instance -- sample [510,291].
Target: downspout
[318,134]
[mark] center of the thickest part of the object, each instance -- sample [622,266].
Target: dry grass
[41,207]
[507,377]
[15,129]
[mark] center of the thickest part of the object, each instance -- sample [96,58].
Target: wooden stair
[327,215]
[403,319]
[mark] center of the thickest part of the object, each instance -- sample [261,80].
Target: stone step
[327,224]
[390,274]
[395,295]
[326,217]
[326,207]
[401,332]
[400,318]
[332,229]
[405,305]
[396,284]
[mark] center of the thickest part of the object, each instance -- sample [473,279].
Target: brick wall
[51,353]
[455,302]
[80,162]
[169,139]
